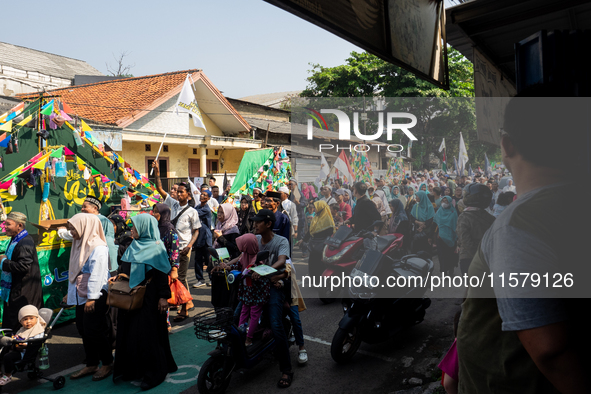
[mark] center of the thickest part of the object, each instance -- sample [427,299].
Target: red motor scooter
[345,248]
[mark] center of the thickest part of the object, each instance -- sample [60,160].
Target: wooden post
[267,134]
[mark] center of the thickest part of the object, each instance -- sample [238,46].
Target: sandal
[179,318]
[84,372]
[284,383]
[100,375]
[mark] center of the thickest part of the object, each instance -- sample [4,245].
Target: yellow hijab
[323,218]
[89,227]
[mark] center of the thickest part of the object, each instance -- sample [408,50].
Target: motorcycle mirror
[262,256]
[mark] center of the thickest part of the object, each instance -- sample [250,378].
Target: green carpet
[188,351]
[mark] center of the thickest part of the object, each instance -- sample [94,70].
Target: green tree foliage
[441,113]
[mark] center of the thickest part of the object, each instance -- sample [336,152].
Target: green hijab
[109,232]
[423,210]
[447,221]
[147,252]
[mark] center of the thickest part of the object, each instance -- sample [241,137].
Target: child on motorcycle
[253,294]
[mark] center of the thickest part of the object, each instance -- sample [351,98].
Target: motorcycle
[230,353]
[345,248]
[369,316]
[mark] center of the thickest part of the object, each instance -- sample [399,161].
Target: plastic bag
[61,170]
[179,293]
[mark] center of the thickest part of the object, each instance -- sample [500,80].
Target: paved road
[377,368]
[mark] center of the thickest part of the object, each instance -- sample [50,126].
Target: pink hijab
[230,223]
[249,246]
[308,191]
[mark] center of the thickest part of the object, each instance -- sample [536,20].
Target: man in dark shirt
[365,212]
[282,224]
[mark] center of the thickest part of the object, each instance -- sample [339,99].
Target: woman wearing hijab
[399,222]
[246,213]
[423,188]
[421,217]
[321,227]
[411,200]
[446,220]
[88,277]
[225,235]
[226,230]
[396,195]
[143,350]
[170,239]
[348,199]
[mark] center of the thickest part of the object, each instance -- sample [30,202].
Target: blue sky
[245,47]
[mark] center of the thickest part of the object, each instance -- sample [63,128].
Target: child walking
[33,327]
[254,294]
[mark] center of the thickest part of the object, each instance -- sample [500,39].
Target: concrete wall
[164,119]
[178,158]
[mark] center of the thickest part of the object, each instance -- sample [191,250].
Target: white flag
[463,155]
[324,171]
[187,103]
[442,146]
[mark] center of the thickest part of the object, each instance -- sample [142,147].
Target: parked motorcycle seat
[384,241]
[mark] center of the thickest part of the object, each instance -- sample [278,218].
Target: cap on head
[264,215]
[17,217]
[94,201]
[273,194]
[284,189]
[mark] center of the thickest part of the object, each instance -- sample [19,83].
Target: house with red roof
[133,115]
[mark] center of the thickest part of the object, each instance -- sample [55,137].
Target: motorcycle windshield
[369,262]
[339,237]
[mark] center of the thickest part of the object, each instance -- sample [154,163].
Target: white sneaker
[198,284]
[302,356]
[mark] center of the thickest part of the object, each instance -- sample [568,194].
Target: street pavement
[381,368]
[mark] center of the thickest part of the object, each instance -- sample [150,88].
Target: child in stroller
[26,343]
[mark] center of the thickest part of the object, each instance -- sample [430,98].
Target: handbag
[123,297]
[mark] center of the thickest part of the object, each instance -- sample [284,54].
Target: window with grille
[165,148]
[148,148]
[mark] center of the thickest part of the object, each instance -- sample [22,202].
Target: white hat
[284,189]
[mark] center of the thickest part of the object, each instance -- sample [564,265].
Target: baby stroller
[33,371]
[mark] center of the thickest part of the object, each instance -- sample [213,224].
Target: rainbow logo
[315,115]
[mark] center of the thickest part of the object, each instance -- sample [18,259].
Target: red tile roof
[115,102]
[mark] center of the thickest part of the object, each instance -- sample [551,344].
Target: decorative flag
[442,146]
[47,109]
[324,171]
[344,169]
[25,120]
[13,113]
[457,167]
[463,155]
[4,140]
[487,167]
[6,126]
[187,103]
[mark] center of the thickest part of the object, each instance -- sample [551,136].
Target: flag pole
[158,155]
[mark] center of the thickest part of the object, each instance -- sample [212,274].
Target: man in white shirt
[187,223]
[290,209]
[509,187]
[326,195]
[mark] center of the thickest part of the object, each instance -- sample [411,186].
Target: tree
[441,113]
[120,69]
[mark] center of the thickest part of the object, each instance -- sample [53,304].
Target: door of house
[162,164]
[195,169]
